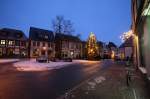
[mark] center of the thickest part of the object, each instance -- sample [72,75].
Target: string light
[126,35]
[92,48]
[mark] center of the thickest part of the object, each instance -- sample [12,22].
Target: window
[72,46]
[35,52]
[34,43]
[10,43]
[3,42]
[43,44]
[63,45]
[17,43]
[43,52]
[49,44]
[77,46]
[38,43]
[18,35]
[23,43]
[4,34]
[46,36]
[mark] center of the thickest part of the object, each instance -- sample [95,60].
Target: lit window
[10,42]
[3,42]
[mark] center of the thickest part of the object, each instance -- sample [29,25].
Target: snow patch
[8,60]
[32,65]
[143,70]
[92,84]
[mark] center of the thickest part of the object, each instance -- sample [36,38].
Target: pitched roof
[12,34]
[127,43]
[60,36]
[37,34]
[100,43]
[111,44]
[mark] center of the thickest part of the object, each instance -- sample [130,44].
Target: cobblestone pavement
[111,84]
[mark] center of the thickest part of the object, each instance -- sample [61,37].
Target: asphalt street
[45,84]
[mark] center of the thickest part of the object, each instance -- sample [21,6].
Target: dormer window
[46,36]
[40,36]
[4,33]
[19,35]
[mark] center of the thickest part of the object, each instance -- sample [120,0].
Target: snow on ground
[85,61]
[32,65]
[8,60]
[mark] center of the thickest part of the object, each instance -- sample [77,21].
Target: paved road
[46,84]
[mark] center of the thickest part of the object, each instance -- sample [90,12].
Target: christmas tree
[92,48]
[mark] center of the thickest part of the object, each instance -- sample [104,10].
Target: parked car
[42,59]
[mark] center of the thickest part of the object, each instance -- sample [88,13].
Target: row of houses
[141,29]
[14,43]
[126,49]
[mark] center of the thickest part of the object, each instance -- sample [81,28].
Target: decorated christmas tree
[92,48]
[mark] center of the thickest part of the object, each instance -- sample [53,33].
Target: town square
[75,49]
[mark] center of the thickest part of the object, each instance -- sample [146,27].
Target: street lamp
[44,48]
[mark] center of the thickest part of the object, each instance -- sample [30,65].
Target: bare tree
[60,25]
[68,27]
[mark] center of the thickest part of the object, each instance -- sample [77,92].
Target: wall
[147,44]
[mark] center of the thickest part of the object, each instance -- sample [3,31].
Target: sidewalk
[110,84]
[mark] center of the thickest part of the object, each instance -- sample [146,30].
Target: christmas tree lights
[92,48]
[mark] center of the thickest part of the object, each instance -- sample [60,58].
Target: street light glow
[126,35]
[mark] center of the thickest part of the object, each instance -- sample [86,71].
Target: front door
[49,53]
[10,52]
[43,52]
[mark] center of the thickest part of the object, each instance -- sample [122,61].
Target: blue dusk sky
[108,19]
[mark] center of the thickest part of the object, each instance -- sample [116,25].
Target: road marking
[135,97]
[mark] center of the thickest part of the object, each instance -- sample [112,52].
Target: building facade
[68,46]
[13,43]
[126,49]
[84,50]
[101,46]
[141,29]
[113,50]
[41,43]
